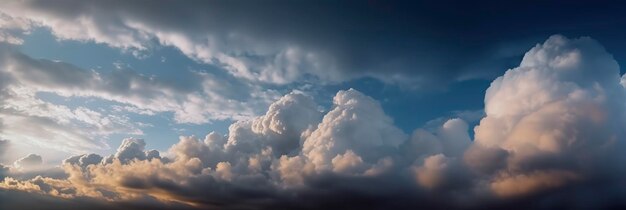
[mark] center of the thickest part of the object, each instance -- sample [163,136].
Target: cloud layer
[75,129]
[552,134]
[284,42]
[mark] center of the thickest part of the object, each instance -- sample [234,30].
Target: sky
[312,104]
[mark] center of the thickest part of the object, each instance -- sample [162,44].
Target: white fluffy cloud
[556,119]
[356,129]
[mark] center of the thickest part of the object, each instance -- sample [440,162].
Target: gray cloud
[4,146]
[283,41]
[131,149]
[13,29]
[83,160]
[31,161]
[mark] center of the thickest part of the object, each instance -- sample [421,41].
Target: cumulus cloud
[130,149]
[83,160]
[356,128]
[31,161]
[554,120]
[551,137]
[450,139]
[260,163]
[437,157]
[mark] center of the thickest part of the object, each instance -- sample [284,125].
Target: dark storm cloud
[417,43]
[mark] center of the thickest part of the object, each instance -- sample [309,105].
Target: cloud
[280,127]
[437,157]
[12,29]
[356,128]
[31,161]
[27,118]
[278,43]
[551,137]
[4,146]
[556,120]
[131,149]
[436,171]
[261,163]
[83,160]
[189,102]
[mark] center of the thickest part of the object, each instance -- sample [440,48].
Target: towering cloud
[352,136]
[555,120]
